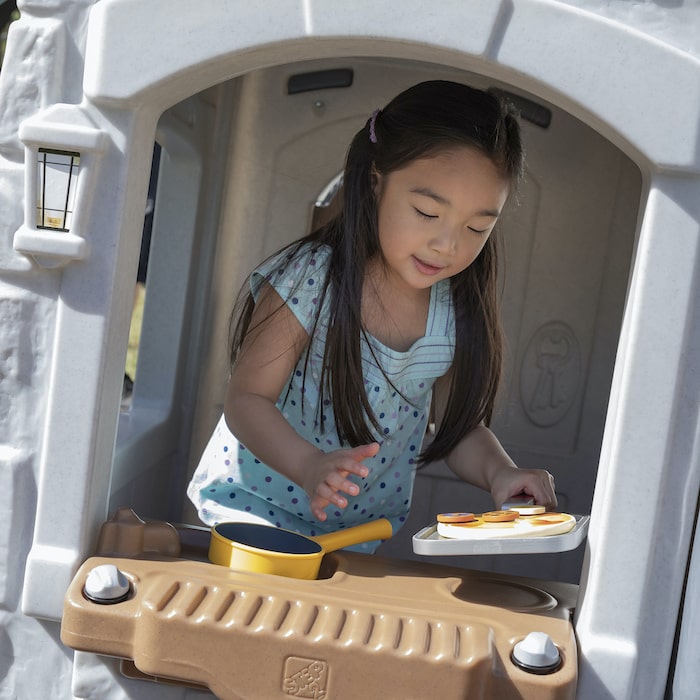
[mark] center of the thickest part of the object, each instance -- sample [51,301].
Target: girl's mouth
[426,268]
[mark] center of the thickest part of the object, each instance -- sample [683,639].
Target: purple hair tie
[372,120]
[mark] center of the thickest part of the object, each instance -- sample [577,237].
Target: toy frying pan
[271,550]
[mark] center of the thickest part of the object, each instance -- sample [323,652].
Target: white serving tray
[428,542]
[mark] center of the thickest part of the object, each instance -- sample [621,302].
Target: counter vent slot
[167,596]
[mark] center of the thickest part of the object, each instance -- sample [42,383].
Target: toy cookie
[455,517]
[500,516]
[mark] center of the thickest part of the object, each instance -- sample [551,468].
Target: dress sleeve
[298,276]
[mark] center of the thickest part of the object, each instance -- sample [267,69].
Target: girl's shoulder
[298,266]
[298,274]
[441,319]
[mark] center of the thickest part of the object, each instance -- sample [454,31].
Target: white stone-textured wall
[42,66]
[674,22]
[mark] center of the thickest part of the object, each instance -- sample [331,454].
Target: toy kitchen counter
[368,626]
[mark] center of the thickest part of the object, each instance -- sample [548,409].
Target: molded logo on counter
[305,678]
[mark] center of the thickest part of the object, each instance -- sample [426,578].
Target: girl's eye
[476,230]
[423,215]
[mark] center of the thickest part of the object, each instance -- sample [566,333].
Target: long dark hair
[424,120]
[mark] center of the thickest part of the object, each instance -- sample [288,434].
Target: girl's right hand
[326,477]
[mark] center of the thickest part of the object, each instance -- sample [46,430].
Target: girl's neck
[394,315]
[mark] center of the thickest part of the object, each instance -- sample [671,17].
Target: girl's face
[436,214]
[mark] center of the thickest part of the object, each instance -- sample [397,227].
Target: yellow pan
[270,550]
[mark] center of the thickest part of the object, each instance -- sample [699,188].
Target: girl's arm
[480,460]
[269,353]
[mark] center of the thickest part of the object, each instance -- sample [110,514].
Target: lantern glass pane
[57,178]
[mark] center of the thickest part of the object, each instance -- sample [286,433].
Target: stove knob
[537,653]
[105,584]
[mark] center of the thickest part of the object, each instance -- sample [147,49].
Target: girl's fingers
[318,512]
[537,483]
[338,482]
[328,491]
[330,495]
[364,451]
[355,455]
[318,504]
[546,495]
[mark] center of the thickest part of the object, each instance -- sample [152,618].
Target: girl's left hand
[538,483]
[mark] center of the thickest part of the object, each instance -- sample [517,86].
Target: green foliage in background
[8,14]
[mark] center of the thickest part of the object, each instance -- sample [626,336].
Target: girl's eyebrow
[427,192]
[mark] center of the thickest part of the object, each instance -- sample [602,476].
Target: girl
[343,339]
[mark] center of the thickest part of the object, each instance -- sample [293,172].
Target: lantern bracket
[63,149]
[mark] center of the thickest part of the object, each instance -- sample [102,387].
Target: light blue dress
[231,484]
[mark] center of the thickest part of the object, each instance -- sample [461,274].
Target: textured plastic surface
[428,542]
[367,624]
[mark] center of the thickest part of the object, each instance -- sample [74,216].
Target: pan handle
[379,529]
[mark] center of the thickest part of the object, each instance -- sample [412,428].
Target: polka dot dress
[230,483]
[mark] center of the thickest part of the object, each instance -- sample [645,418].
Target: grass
[132,352]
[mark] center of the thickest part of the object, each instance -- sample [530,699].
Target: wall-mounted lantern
[57,173]
[63,148]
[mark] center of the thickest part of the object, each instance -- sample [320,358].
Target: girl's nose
[444,241]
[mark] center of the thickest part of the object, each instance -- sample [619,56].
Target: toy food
[455,517]
[507,524]
[500,516]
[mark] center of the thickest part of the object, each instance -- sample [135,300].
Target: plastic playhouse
[215,131]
